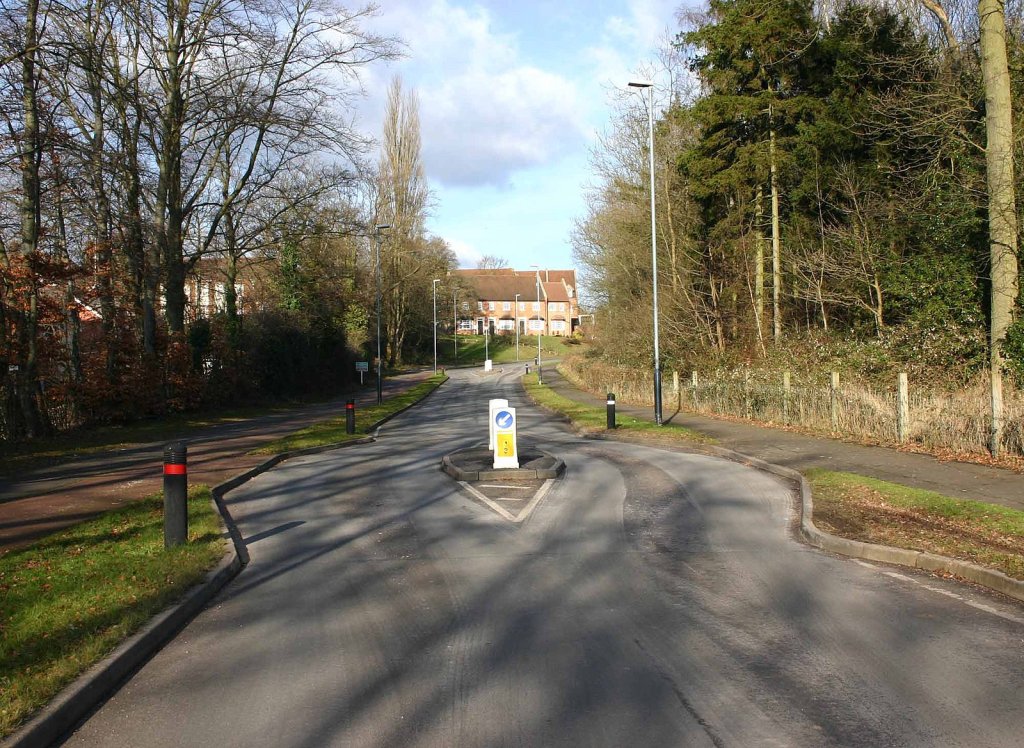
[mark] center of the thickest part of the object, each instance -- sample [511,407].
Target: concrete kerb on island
[469,465]
[58,718]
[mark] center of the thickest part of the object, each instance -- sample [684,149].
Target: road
[652,598]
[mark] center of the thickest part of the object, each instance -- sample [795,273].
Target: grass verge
[594,419]
[874,511]
[71,598]
[332,431]
[501,348]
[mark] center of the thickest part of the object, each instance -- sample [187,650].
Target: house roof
[504,283]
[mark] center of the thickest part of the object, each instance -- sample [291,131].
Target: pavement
[801,452]
[48,499]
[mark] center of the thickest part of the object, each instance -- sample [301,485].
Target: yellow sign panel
[506,445]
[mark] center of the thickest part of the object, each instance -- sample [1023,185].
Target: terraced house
[501,300]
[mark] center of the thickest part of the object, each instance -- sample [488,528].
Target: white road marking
[536,500]
[496,507]
[541,492]
[495,485]
[947,593]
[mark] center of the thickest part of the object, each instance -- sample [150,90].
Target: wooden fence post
[746,393]
[834,400]
[675,382]
[786,386]
[903,409]
[693,385]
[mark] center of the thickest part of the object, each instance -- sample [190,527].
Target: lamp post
[380,369]
[516,323]
[433,288]
[654,244]
[540,327]
[455,324]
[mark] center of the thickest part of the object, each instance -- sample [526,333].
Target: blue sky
[512,96]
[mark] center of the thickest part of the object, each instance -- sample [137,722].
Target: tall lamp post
[433,287]
[540,327]
[380,370]
[654,244]
[516,316]
[455,323]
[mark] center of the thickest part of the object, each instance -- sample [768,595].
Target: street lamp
[539,325]
[433,287]
[654,245]
[515,316]
[455,323]
[380,371]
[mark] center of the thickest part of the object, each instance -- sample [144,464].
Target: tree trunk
[31,155]
[1002,214]
[776,244]
[759,261]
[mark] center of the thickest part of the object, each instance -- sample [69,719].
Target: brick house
[494,304]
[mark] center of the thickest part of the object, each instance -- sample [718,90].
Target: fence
[955,421]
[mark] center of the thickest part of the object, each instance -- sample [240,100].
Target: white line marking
[536,500]
[505,498]
[947,593]
[495,485]
[496,507]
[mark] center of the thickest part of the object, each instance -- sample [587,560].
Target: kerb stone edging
[81,696]
[990,578]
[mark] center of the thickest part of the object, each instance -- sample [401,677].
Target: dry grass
[874,511]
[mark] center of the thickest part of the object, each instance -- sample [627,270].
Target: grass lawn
[333,431]
[874,511]
[501,348]
[595,418]
[69,599]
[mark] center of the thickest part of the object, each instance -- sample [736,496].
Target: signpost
[362,367]
[504,424]
[493,406]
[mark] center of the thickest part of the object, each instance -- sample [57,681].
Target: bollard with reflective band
[350,417]
[611,410]
[175,494]
[540,377]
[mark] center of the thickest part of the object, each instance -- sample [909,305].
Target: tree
[1002,209]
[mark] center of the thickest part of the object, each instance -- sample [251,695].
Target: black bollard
[611,410]
[350,417]
[527,368]
[175,494]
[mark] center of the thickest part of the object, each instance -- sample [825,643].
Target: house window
[536,306]
[466,324]
[465,306]
[536,324]
[490,305]
[558,326]
[506,324]
[480,305]
[506,306]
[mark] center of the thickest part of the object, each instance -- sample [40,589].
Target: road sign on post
[493,406]
[362,367]
[505,453]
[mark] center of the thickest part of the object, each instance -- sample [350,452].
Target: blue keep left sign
[504,419]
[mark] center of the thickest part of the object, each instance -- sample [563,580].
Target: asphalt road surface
[652,598]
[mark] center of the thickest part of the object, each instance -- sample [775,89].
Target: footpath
[800,452]
[41,501]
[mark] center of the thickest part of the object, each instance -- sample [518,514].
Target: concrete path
[47,499]
[800,452]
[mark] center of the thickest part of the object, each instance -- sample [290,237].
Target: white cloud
[468,255]
[485,113]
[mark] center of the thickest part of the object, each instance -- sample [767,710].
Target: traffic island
[477,463]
